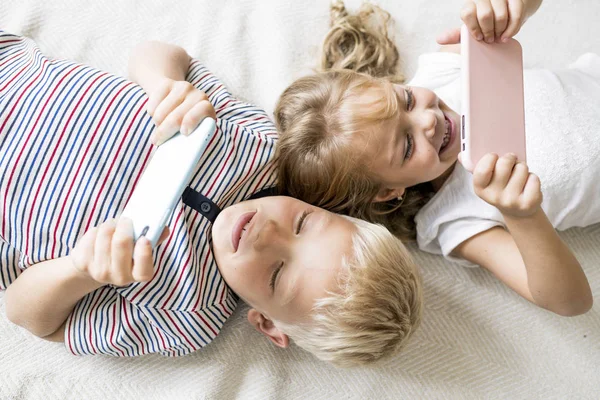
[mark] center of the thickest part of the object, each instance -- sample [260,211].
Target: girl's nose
[429,123]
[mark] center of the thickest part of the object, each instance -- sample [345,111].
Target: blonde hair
[318,115]
[378,306]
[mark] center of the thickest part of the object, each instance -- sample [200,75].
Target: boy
[67,131]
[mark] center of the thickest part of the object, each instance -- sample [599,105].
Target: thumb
[451,36]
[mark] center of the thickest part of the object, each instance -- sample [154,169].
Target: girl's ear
[387,194]
[264,325]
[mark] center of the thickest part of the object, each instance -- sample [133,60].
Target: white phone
[165,178]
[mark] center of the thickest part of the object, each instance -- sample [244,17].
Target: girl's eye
[409,147]
[301,222]
[410,99]
[274,276]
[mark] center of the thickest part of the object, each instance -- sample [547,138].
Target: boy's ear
[387,194]
[264,325]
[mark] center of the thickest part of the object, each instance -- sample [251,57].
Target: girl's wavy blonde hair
[318,115]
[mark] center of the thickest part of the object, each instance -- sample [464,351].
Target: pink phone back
[492,98]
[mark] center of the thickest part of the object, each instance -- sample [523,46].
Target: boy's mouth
[240,228]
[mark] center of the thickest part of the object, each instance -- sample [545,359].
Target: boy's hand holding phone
[108,254]
[507,185]
[177,106]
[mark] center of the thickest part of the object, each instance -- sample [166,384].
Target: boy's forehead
[323,269]
[316,284]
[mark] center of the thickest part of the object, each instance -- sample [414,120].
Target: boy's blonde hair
[377,308]
[318,115]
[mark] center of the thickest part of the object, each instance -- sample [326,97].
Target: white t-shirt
[562,119]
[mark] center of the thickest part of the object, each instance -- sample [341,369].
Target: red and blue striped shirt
[73,143]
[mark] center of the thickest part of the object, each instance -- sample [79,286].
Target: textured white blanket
[478,339]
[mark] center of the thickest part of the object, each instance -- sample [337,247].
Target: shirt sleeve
[453,233]
[105,322]
[9,264]
[453,215]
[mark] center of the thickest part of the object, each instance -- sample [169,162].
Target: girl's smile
[419,145]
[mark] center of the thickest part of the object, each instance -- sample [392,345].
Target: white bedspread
[478,339]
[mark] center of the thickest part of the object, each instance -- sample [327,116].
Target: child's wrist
[533,218]
[77,273]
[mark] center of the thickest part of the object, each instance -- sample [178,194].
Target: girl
[353,139]
[73,142]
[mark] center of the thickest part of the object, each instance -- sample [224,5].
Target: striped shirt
[73,143]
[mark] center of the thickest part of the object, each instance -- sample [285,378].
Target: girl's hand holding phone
[177,106]
[108,254]
[507,185]
[491,20]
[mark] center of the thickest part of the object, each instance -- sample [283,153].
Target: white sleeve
[454,215]
[453,233]
[435,70]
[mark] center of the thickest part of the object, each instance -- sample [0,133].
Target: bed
[477,340]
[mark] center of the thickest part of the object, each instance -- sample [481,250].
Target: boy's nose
[267,235]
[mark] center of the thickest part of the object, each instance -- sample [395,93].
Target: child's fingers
[174,121]
[503,170]
[122,253]
[500,17]
[518,178]
[143,266]
[532,192]
[168,128]
[157,96]
[84,251]
[484,170]
[468,15]
[175,97]
[102,251]
[515,18]
[449,37]
[485,17]
[194,116]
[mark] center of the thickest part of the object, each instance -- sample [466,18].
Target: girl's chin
[451,155]
[454,155]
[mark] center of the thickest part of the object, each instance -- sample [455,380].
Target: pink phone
[493,117]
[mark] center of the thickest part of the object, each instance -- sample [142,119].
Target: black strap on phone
[208,208]
[201,204]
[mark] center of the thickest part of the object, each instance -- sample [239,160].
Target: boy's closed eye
[277,270]
[274,276]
